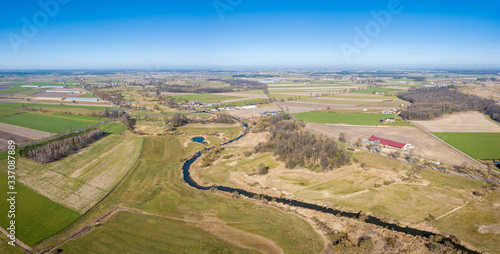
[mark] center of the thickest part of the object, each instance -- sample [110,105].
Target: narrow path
[19,242]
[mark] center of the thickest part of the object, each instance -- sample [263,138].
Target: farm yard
[425,145]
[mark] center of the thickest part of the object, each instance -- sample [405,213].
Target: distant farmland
[483,146]
[346,118]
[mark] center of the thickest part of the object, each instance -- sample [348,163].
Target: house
[388,142]
[389,120]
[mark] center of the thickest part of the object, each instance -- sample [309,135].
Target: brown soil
[461,122]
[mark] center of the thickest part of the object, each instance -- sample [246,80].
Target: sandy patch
[461,122]
[493,228]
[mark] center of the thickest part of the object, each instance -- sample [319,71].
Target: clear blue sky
[165,34]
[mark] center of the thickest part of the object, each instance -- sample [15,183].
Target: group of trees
[234,86]
[55,149]
[111,96]
[428,103]
[296,147]
[181,119]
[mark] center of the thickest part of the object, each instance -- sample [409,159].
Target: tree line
[428,103]
[297,147]
[58,148]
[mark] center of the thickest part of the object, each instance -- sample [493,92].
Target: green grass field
[113,128]
[8,112]
[53,124]
[346,118]
[37,217]
[377,90]
[206,98]
[89,118]
[483,146]
[158,235]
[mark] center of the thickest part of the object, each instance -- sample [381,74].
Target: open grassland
[79,181]
[407,203]
[220,172]
[37,217]
[483,146]
[154,186]
[351,183]
[359,118]
[206,98]
[53,124]
[158,235]
[478,223]
[113,128]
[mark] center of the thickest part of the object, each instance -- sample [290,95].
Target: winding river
[369,219]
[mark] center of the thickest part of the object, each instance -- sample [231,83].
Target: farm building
[388,142]
[248,107]
[83,99]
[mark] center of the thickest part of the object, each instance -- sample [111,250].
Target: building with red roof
[388,142]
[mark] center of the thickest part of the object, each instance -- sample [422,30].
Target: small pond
[200,140]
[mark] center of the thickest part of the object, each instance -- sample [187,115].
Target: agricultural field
[482,146]
[206,98]
[377,90]
[352,118]
[37,217]
[17,105]
[154,187]
[461,122]
[79,181]
[53,124]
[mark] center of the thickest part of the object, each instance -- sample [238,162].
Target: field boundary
[19,242]
[444,142]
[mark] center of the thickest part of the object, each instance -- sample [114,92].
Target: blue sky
[166,34]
